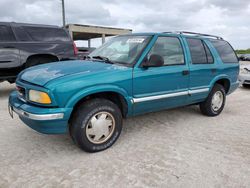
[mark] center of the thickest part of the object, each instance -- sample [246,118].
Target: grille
[21,92]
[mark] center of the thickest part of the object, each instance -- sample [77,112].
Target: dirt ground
[173,148]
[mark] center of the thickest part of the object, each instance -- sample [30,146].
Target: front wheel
[96,125]
[215,102]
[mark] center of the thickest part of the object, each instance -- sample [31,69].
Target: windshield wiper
[105,59]
[87,57]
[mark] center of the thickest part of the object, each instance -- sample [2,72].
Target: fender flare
[219,77]
[98,89]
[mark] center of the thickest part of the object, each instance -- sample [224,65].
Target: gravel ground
[173,148]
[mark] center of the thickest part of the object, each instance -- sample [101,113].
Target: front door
[163,87]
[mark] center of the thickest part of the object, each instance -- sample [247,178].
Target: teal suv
[127,76]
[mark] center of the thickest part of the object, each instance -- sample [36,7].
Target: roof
[195,34]
[29,24]
[85,32]
[182,33]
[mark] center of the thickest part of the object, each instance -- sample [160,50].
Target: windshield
[122,49]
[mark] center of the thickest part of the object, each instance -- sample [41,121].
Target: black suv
[25,45]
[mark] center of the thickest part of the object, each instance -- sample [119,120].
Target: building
[88,32]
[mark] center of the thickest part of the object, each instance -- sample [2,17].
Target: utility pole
[63,13]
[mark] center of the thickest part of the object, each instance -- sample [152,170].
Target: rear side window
[6,34]
[200,54]
[225,51]
[21,34]
[47,34]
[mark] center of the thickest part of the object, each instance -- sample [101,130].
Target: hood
[42,74]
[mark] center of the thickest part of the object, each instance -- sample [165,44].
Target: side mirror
[154,61]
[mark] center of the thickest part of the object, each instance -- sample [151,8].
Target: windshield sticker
[135,40]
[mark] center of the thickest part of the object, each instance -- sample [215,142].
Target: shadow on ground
[5,89]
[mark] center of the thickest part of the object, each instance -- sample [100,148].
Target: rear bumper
[43,120]
[233,87]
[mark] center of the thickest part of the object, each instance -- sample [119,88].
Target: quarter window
[200,53]
[170,49]
[47,34]
[225,51]
[21,34]
[6,33]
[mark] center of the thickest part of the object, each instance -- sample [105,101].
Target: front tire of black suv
[96,125]
[215,102]
[246,85]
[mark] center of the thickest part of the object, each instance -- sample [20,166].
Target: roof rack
[196,34]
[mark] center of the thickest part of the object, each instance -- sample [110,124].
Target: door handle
[185,72]
[213,70]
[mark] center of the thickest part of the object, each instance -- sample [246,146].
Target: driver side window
[170,49]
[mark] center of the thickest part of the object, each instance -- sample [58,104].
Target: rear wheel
[96,125]
[215,102]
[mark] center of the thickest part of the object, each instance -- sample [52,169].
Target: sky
[226,18]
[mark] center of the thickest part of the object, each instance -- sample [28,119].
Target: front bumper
[244,78]
[43,120]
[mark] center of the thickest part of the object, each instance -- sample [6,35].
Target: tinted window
[47,34]
[197,50]
[225,51]
[21,34]
[6,33]
[170,49]
[208,53]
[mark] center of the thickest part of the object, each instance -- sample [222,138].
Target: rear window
[225,51]
[47,34]
[6,34]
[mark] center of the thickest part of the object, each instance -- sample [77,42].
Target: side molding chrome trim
[198,91]
[169,95]
[150,98]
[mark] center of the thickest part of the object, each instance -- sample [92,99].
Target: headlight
[244,71]
[39,97]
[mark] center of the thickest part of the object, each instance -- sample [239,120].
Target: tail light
[75,48]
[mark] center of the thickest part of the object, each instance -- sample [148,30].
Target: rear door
[156,88]
[202,69]
[9,55]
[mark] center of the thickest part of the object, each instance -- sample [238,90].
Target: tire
[38,61]
[217,97]
[95,114]
[12,80]
[246,85]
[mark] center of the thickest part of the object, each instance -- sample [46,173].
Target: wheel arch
[116,95]
[223,80]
